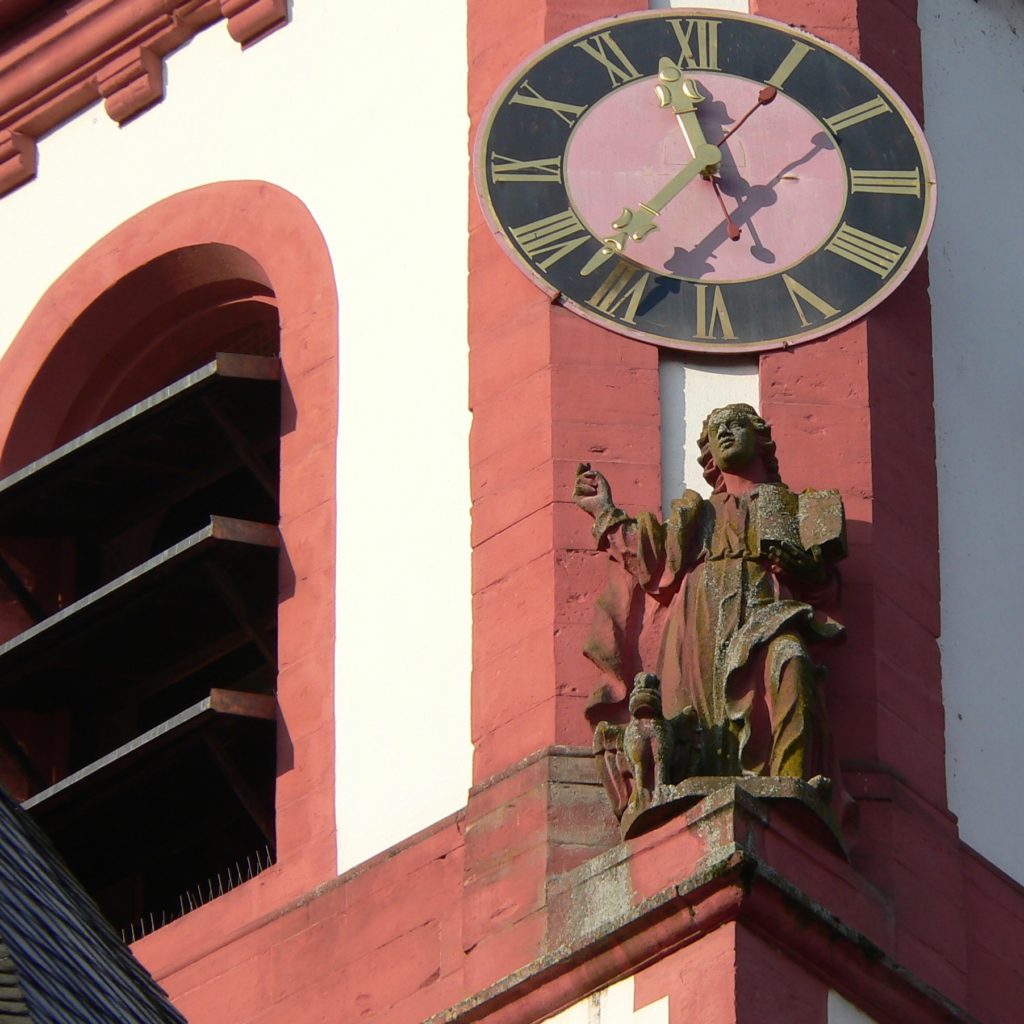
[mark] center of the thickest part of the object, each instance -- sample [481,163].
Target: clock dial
[706,182]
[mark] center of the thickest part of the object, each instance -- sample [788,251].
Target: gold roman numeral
[624,286]
[619,67]
[553,237]
[894,183]
[789,65]
[872,253]
[709,322]
[704,34]
[798,292]
[529,97]
[862,112]
[505,168]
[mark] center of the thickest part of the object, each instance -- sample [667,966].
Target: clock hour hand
[682,95]
[637,224]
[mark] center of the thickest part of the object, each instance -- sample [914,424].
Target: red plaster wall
[867,393]
[546,390]
[380,943]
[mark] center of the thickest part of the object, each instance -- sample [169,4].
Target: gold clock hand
[639,223]
[682,95]
[705,162]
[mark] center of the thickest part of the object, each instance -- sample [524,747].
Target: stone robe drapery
[728,627]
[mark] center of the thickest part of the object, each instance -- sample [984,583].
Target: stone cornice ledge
[736,886]
[60,63]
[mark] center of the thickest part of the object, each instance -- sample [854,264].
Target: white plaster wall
[740,6]
[974,120]
[842,1011]
[360,112]
[691,386]
[613,1005]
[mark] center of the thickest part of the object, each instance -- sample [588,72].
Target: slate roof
[60,962]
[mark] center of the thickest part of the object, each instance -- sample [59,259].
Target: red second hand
[734,232]
[764,97]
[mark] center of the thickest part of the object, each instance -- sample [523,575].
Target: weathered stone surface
[730,588]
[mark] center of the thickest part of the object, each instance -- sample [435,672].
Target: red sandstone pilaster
[547,390]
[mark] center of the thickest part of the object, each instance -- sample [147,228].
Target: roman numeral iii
[894,183]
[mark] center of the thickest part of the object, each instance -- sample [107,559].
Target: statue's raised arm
[592,492]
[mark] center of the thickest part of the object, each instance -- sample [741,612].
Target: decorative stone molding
[728,864]
[17,159]
[250,20]
[57,64]
[131,84]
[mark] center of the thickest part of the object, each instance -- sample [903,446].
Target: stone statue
[728,589]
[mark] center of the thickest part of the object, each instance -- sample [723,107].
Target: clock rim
[556,296]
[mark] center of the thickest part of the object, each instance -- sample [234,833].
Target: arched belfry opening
[155,324]
[142,577]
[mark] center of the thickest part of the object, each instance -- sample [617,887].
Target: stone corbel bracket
[61,62]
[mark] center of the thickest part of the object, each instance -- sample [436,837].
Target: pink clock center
[782,179]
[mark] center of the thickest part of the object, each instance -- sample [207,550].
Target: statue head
[731,439]
[645,700]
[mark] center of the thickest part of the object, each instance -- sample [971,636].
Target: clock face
[705,180]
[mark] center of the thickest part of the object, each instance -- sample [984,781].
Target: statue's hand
[797,561]
[592,492]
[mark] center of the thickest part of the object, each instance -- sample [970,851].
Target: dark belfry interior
[138,687]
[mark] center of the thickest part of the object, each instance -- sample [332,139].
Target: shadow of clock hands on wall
[665,286]
[749,199]
[752,198]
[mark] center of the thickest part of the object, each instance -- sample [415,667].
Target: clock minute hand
[637,224]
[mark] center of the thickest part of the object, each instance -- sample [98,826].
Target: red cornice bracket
[57,64]
[250,20]
[18,160]
[132,83]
